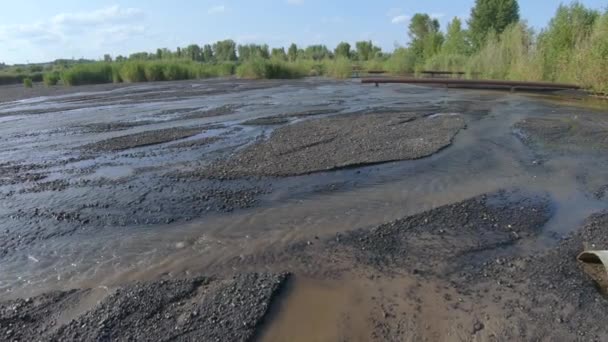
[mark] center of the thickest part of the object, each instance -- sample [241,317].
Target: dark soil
[198,309]
[339,142]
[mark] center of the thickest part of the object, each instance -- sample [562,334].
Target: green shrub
[51,78]
[174,71]
[339,68]
[92,73]
[154,72]
[132,72]
[446,62]
[27,82]
[401,62]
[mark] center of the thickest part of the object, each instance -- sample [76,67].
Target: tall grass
[339,68]
[94,73]
[259,68]
[51,78]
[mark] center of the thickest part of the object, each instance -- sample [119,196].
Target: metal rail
[463,83]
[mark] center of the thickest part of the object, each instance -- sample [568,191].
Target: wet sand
[176,210]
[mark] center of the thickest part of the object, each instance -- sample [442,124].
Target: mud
[340,142]
[174,210]
[203,309]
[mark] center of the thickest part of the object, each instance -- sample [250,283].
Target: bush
[258,68]
[51,78]
[27,82]
[446,62]
[132,72]
[401,62]
[339,68]
[154,72]
[93,73]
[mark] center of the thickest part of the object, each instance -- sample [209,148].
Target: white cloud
[97,17]
[217,9]
[295,2]
[78,33]
[437,15]
[400,19]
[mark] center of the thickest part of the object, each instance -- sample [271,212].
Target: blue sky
[38,31]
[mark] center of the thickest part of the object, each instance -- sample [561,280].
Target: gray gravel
[339,142]
[199,309]
[142,139]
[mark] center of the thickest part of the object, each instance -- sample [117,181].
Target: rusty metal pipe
[464,82]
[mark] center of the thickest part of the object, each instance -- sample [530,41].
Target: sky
[41,31]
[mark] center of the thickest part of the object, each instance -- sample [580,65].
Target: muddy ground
[176,211]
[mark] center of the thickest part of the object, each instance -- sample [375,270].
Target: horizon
[40,33]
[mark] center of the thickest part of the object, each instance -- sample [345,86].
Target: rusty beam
[473,83]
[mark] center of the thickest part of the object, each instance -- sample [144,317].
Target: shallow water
[485,157]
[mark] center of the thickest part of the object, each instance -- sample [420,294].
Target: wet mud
[175,211]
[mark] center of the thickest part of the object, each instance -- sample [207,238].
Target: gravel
[142,139]
[197,309]
[339,142]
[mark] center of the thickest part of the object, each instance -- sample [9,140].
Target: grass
[258,68]
[27,82]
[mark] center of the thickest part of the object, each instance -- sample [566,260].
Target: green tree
[279,54]
[207,53]
[225,50]
[425,37]
[253,51]
[570,26]
[193,52]
[455,39]
[366,50]
[342,50]
[292,53]
[491,15]
[317,52]
[159,54]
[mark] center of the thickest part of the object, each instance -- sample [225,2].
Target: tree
[455,39]
[107,58]
[193,52]
[425,37]
[253,51]
[557,43]
[366,50]
[317,52]
[159,54]
[225,50]
[491,15]
[208,53]
[293,52]
[342,50]
[279,53]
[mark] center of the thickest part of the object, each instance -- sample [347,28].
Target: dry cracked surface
[339,142]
